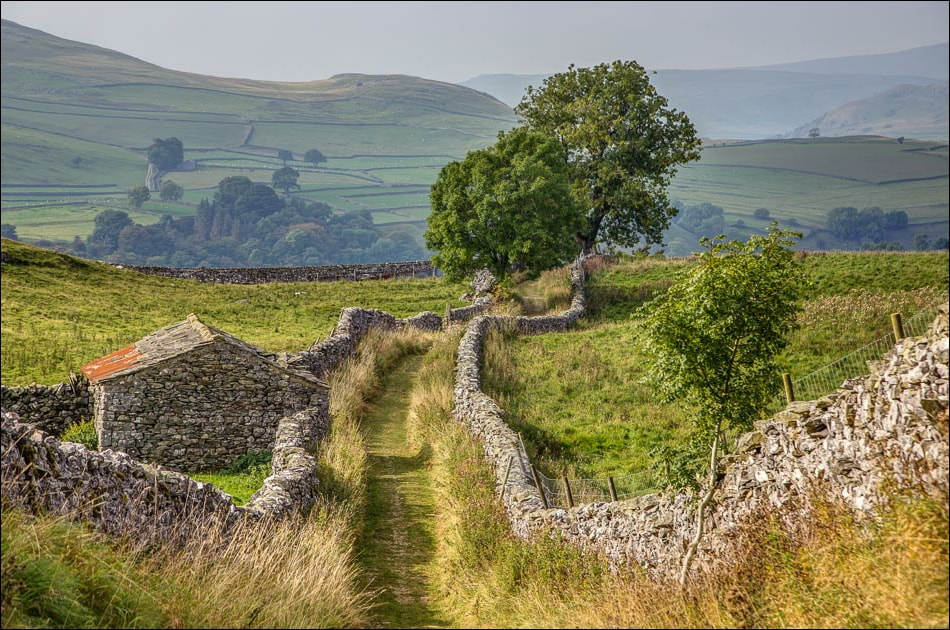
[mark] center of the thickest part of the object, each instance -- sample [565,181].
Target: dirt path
[398,541]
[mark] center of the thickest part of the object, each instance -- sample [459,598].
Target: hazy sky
[300,41]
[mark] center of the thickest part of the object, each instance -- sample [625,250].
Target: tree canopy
[314,156]
[285,178]
[507,207]
[166,154]
[622,143]
[171,191]
[138,195]
[283,155]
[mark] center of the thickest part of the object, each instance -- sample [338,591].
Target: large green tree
[507,207]
[714,337]
[138,195]
[108,225]
[171,191]
[623,144]
[166,153]
[285,178]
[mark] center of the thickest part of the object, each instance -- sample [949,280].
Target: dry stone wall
[117,494]
[124,497]
[884,431]
[261,275]
[51,407]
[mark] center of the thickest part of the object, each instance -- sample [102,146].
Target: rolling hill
[764,102]
[907,110]
[76,119]
[924,61]
[76,115]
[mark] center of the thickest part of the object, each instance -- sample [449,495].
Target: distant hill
[752,103]
[925,61]
[913,111]
[76,120]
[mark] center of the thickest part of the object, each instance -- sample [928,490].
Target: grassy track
[398,546]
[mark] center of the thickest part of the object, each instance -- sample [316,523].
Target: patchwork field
[68,124]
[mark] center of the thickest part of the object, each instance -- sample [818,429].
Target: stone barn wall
[201,410]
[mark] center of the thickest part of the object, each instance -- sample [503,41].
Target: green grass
[299,573]
[58,575]
[129,132]
[837,574]
[60,312]
[239,485]
[868,159]
[394,139]
[37,157]
[62,222]
[581,398]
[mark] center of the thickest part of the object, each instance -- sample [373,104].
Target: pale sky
[301,41]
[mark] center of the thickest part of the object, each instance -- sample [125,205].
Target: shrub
[83,432]
[248,462]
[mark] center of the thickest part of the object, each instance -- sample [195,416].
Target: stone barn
[192,397]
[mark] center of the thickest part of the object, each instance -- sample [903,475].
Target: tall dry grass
[296,573]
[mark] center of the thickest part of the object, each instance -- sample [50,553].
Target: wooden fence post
[537,484]
[613,489]
[570,495]
[789,390]
[897,323]
[448,314]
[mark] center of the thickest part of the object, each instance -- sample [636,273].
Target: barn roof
[173,341]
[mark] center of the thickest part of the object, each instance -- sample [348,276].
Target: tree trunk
[700,519]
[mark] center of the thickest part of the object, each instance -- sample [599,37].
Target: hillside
[767,101]
[411,508]
[924,61]
[915,111]
[84,309]
[76,115]
[737,103]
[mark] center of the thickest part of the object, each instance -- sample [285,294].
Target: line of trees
[247,224]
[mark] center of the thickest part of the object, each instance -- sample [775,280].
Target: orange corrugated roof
[173,341]
[118,361]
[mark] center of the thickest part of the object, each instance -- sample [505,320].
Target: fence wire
[822,381]
[585,490]
[864,360]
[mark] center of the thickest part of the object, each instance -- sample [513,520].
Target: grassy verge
[59,312]
[295,574]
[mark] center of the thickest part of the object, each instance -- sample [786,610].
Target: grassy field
[374,130]
[581,399]
[82,310]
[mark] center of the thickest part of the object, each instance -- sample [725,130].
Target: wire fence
[864,360]
[567,493]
